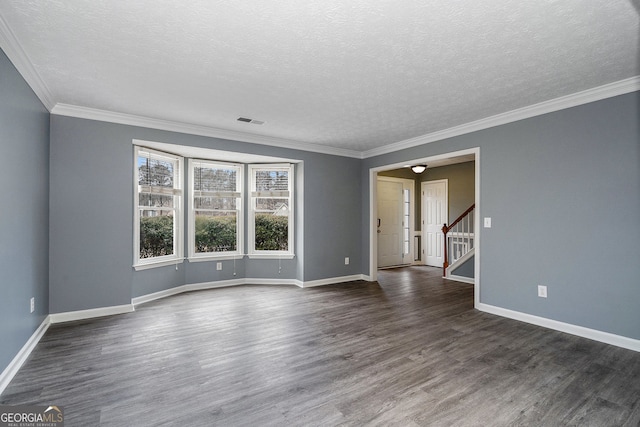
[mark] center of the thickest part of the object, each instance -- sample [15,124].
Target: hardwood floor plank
[407,351]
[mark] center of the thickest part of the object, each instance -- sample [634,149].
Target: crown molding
[19,58]
[171,126]
[579,98]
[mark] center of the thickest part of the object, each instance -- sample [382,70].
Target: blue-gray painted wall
[563,190]
[24,224]
[92,217]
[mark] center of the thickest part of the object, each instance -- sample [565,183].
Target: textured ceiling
[354,75]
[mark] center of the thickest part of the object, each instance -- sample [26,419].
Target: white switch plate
[33,304]
[542,291]
[219,266]
[346,260]
[487,222]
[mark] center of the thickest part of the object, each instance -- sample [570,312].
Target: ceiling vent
[246,120]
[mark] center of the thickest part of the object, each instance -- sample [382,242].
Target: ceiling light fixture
[419,168]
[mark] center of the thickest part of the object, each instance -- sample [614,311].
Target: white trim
[247,281]
[462,279]
[222,257]
[476,236]
[240,210]
[272,255]
[71,316]
[185,288]
[373,244]
[251,210]
[592,334]
[157,295]
[610,90]
[211,285]
[334,280]
[273,282]
[24,65]
[179,192]
[154,264]
[459,262]
[14,366]
[192,129]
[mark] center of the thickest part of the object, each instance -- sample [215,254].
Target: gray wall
[563,190]
[24,228]
[92,217]
[466,269]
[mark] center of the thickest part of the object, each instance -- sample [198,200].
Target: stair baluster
[461,241]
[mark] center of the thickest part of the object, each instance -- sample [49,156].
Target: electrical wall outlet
[346,260]
[542,291]
[33,304]
[219,266]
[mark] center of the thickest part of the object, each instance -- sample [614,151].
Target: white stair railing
[459,238]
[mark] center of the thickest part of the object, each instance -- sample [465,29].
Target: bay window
[215,209]
[157,214]
[219,207]
[271,211]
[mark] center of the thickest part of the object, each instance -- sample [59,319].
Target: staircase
[459,242]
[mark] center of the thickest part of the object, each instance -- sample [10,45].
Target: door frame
[373,203]
[406,183]
[423,186]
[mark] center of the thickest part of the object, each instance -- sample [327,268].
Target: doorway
[434,215]
[395,223]
[471,154]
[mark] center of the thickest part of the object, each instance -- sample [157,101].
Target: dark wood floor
[409,351]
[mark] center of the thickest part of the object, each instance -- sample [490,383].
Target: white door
[434,216]
[390,200]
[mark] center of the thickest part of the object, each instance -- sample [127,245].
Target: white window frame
[178,216]
[253,253]
[239,193]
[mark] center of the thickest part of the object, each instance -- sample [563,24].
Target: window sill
[148,265]
[272,256]
[216,257]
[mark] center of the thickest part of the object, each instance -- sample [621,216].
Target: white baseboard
[592,334]
[12,369]
[157,295]
[463,279]
[333,280]
[211,285]
[70,316]
[294,282]
[245,281]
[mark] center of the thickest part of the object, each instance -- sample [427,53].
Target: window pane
[278,206]
[155,172]
[272,180]
[228,203]
[272,232]
[214,178]
[215,231]
[155,200]
[156,233]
